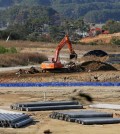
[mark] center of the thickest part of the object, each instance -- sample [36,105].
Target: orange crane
[55,63]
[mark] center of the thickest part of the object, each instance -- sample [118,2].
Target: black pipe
[37,104]
[54,108]
[100,121]
[23,122]
[88,114]
[19,118]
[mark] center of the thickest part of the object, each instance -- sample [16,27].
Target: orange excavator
[55,63]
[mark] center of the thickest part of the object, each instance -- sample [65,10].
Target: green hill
[89,9]
[95,11]
[35,15]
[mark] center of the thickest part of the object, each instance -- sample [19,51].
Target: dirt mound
[95,55]
[98,53]
[96,66]
[93,58]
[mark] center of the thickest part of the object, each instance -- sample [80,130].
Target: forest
[95,11]
[41,20]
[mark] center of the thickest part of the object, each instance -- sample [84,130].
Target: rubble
[32,70]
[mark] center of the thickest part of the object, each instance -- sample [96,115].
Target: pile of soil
[99,53]
[96,66]
[95,55]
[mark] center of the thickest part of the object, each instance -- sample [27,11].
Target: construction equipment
[55,64]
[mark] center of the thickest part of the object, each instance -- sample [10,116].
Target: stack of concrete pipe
[45,106]
[85,117]
[14,120]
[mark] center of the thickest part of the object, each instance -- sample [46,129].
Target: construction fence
[58,84]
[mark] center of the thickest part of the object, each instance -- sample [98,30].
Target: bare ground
[43,122]
[97,76]
[105,38]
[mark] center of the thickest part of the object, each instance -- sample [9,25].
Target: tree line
[43,23]
[75,9]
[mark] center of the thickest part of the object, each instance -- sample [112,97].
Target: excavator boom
[64,41]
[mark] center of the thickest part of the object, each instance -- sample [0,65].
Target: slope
[106,38]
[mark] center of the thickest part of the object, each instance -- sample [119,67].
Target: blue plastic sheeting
[58,84]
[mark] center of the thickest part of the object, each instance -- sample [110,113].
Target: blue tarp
[58,84]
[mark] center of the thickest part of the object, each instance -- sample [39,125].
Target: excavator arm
[64,41]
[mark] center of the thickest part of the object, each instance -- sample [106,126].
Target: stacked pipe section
[45,106]
[14,120]
[86,117]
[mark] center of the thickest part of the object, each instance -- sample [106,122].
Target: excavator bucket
[73,56]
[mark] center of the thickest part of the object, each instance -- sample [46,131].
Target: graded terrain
[42,121]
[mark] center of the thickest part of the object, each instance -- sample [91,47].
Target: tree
[112,26]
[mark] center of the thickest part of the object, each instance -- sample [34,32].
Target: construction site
[68,83]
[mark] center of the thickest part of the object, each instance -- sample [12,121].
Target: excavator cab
[73,55]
